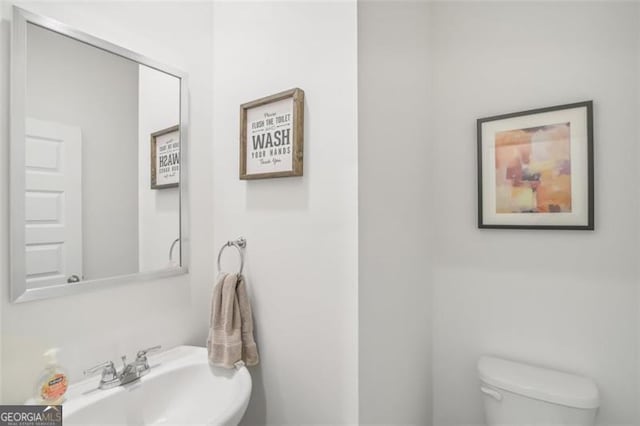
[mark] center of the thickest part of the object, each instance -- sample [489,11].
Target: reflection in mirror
[102,158]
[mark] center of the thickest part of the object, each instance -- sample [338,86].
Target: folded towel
[231,328]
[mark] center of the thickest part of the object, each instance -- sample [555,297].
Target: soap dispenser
[53,382]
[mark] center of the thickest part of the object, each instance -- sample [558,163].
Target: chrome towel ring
[239,244]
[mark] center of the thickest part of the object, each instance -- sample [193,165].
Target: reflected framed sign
[165,158]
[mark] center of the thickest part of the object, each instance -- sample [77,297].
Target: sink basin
[181,389]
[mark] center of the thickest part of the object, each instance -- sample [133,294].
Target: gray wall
[395,212]
[75,84]
[557,298]
[158,209]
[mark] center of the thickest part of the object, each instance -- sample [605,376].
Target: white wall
[563,299]
[74,84]
[104,324]
[638,289]
[395,214]
[159,209]
[5,40]
[301,232]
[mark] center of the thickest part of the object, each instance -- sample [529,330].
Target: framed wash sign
[271,136]
[535,169]
[165,158]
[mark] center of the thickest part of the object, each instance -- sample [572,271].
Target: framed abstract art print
[535,169]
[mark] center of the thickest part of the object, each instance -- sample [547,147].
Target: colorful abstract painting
[533,170]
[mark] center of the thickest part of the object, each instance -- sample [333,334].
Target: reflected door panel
[53,208]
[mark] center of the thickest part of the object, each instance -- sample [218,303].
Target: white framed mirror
[98,164]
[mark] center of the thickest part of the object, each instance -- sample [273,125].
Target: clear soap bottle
[53,382]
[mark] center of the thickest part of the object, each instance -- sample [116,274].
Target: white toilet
[517,394]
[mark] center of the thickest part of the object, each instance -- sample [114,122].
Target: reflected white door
[53,203]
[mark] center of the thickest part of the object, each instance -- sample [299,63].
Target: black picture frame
[570,124]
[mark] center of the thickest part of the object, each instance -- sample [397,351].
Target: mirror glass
[101,164]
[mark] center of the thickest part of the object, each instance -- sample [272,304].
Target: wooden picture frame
[272,136]
[161,140]
[535,169]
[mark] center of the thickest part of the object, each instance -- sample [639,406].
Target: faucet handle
[143,353]
[106,366]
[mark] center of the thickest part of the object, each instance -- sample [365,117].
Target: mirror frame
[19,291]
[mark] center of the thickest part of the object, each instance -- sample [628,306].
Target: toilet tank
[517,394]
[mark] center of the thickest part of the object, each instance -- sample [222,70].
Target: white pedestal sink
[181,389]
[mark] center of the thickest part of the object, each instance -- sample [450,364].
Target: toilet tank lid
[539,383]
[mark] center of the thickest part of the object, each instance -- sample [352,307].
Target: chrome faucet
[109,377]
[130,372]
[141,362]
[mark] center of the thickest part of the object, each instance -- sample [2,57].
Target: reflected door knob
[73,279]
